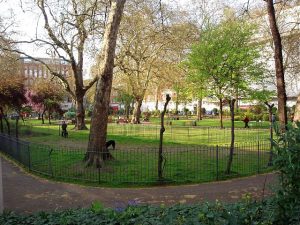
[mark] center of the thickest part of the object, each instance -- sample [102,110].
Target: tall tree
[98,131]
[46,96]
[70,26]
[224,60]
[12,90]
[279,70]
[151,46]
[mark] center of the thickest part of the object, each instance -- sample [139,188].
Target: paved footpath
[25,193]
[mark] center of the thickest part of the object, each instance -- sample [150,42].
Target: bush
[245,213]
[70,115]
[238,118]
[287,162]
[146,116]
[156,113]
[265,117]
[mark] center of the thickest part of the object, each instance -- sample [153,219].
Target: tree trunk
[230,159]
[80,113]
[43,121]
[6,121]
[281,92]
[1,122]
[1,125]
[17,127]
[49,117]
[297,110]
[237,100]
[199,109]
[161,135]
[98,131]
[156,98]
[127,111]
[221,113]
[176,107]
[137,111]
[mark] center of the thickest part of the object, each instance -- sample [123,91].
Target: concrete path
[25,193]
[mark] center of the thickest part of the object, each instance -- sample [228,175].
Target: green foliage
[244,213]
[224,60]
[265,117]
[287,162]
[70,115]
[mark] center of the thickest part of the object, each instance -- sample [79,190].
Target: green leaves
[287,162]
[224,59]
[244,213]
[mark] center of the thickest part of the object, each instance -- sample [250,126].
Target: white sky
[26,20]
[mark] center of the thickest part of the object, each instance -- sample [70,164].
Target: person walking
[64,132]
[246,121]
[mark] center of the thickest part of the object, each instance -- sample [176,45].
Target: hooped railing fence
[132,166]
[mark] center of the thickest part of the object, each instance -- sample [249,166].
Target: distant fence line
[139,165]
[174,133]
[191,134]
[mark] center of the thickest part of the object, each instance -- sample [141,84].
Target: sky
[26,19]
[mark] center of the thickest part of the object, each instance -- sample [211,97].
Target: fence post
[29,156]
[50,170]
[217,162]
[99,172]
[258,157]
[208,134]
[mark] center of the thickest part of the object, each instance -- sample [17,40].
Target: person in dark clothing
[246,121]
[64,132]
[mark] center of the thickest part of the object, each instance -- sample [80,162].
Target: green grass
[209,122]
[190,153]
[137,135]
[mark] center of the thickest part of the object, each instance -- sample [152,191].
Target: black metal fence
[139,165]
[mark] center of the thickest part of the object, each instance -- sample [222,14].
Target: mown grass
[191,154]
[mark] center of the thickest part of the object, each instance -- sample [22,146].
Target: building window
[35,73]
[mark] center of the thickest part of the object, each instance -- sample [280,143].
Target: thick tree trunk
[297,110]
[1,125]
[281,92]
[137,111]
[161,135]
[98,131]
[230,159]
[221,113]
[1,122]
[6,121]
[199,109]
[80,113]
[127,111]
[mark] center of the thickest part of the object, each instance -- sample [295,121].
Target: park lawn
[190,154]
[210,122]
[138,166]
[144,135]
